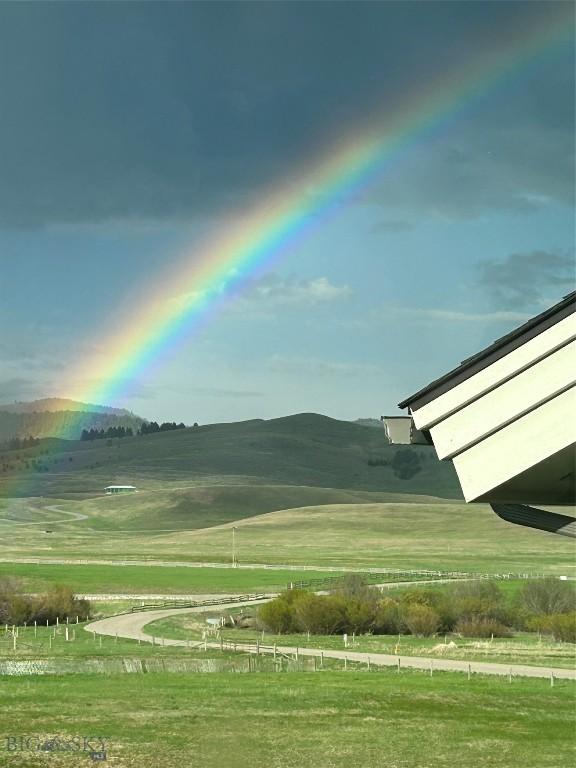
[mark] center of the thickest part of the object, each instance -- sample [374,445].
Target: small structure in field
[110,489]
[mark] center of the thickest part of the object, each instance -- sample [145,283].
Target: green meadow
[426,534]
[134,579]
[295,720]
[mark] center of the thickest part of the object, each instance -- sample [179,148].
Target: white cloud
[275,290]
[451,315]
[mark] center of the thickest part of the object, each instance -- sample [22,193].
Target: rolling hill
[52,416]
[301,450]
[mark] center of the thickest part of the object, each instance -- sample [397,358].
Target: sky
[131,131]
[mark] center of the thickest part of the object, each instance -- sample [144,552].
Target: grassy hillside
[50,423]
[430,534]
[303,450]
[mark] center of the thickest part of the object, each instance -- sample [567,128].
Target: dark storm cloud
[155,110]
[523,279]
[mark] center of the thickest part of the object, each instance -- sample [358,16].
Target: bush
[387,618]
[562,626]
[482,626]
[548,596]
[320,615]
[278,615]
[16,607]
[358,615]
[421,620]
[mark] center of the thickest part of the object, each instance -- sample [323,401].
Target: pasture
[296,720]
[420,534]
[135,579]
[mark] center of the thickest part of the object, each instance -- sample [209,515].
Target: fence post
[431,667]
[368,663]
[321,659]
[552,679]
[398,664]
[345,663]
[510,675]
[469,671]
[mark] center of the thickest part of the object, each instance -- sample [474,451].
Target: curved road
[132,626]
[72,516]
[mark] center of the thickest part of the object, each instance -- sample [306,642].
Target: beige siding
[499,372]
[524,443]
[506,403]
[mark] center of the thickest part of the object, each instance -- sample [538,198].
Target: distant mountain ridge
[59,417]
[54,404]
[369,423]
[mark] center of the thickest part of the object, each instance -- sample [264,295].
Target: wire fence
[334,582]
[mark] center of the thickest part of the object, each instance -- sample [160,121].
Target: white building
[506,418]
[120,489]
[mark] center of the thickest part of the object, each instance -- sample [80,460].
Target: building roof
[495,351]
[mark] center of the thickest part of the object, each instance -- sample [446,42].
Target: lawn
[295,720]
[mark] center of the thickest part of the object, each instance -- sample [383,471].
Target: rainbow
[215,270]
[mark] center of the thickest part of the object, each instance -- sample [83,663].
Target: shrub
[482,626]
[562,626]
[358,615]
[277,617]
[320,615]
[421,620]
[354,585]
[387,618]
[16,607]
[548,596]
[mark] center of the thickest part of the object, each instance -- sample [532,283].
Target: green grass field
[134,579]
[296,720]
[427,534]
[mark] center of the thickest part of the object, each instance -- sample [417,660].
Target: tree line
[470,609]
[15,443]
[146,428]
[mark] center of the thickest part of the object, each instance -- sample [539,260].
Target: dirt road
[132,626]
